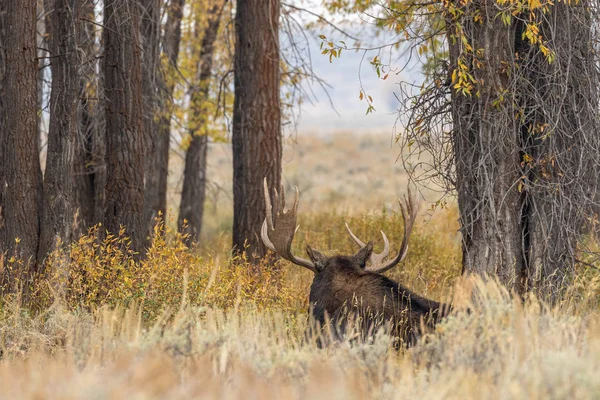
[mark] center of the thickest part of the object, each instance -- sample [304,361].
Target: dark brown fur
[343,293]
[348,300]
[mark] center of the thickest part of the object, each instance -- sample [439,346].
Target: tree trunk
[171,44]
[57,211]
[123,112]
[526,146]
[256,136]
[172,37]
[489,202]
[3,110]
[20,173]
[88,152]
[562,181]
[194,176]
[150,12]
[44,8]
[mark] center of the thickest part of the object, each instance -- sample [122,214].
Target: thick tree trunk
[150,28]
[489,202]
[88,152]
[20,185]
[194,176]
[563,177]
[123,112]
[58,199]
[256,136]
[3,108]
[526,146]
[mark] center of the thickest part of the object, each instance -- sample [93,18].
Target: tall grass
[504,349]
[197,324]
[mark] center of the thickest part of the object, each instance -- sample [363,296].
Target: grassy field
[197,324]
[344,172]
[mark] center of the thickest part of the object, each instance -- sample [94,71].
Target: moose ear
[317,258]
[363,254]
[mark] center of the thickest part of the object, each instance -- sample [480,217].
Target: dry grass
[349,173]
[192,327]
[504,349]
[196,324]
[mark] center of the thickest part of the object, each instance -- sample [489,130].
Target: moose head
[349,296]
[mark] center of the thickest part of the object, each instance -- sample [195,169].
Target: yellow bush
[95,271]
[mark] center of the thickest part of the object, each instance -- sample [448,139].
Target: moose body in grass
[349,298]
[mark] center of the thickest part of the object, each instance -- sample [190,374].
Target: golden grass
[196,324]
[180,325]
[503,349]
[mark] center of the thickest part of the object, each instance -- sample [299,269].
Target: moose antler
[376,261]
[279,227]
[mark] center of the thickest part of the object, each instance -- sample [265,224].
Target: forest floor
[197,324]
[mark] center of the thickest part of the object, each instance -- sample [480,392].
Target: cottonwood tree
[58,196]
[89,175]
[20,173]
[508,114]
[123,113]
[193,193]
[526,161]
[256,136]
[171,41]
[154,191]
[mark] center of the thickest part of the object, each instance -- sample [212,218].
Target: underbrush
[197,324]
[102,270]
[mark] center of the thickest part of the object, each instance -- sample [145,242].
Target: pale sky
[345,76]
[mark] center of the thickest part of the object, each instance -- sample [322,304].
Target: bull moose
[349,297]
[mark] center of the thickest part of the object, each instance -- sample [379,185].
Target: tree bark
[489,202]
[193,193]
[88,152]
[43,9]
[58,199]
[256,136]
[20,173]
[172,37]
[171,45]
[526,147]
[564,176]
[123,112]
[3,108]
[150,25]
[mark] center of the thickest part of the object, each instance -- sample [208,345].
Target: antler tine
[264,235]
[279,227]
[277,207]
[268,222]
[386,245]
[409,214]
[268,207]
[375,258]
[359,242]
